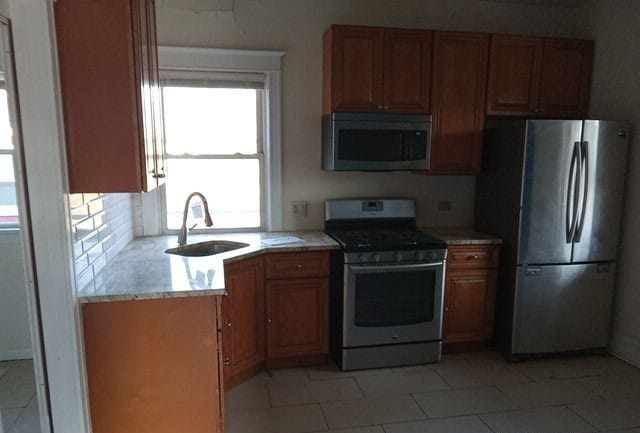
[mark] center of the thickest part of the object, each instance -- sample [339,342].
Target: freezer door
[562,308]
[550,172]
[604,161]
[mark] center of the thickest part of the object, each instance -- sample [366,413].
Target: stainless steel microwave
[375,142]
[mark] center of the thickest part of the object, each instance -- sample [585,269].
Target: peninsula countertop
[144,271]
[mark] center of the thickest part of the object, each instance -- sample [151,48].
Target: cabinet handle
[227,361]
[227,324]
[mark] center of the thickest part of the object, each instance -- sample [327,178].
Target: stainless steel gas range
[387,285]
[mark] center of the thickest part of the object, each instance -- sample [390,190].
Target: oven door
[395,303]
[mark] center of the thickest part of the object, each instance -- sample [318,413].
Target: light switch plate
[299,208]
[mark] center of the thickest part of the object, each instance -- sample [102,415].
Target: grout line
[324,415]
[485,423]
[581,417]
[419,407]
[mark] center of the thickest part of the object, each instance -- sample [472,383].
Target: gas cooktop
[385,239]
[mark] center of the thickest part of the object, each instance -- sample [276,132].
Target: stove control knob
[431,255]
[375,257]
[396,256]
[362,258]
[420,255]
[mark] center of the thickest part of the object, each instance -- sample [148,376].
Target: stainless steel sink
[207,248]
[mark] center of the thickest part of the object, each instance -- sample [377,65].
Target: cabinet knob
[446,309]
[227,324]
[380,107]
[475,256]
[227,361]
[269,320]
[386,107]
[299,266]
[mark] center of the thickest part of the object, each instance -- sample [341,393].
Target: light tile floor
[471,393]
[18,402]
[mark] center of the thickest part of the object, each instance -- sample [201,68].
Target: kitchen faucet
[182,238]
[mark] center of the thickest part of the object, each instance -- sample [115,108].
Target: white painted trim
[189,59]
[208,59]
[11,355]
[38,89]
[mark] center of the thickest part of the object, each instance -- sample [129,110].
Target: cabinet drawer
[474,256]
[297,265]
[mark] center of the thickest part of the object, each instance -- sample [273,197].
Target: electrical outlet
[299,208]
[445,205]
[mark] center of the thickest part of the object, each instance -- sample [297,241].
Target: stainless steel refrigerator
[553,191]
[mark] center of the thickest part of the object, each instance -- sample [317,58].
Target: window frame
[184,60]
[229,78]
[5,226]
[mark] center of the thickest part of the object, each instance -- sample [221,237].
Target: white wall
[615,25]
[15,338]
[296,26]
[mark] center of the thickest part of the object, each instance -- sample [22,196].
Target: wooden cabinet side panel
[152,366]
[458,101]
[407,71]
[243,319]
[298,317]
[565,78]
[514,66]
[100,95]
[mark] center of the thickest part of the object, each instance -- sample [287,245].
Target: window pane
[5,126]
[231,186]
[8,200]
[200,120]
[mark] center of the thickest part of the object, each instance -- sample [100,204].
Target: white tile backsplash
[102,225]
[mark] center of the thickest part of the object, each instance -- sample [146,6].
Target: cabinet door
[297,317]
[353,68]
[469,305]
[243,320]
[458,101]
[407,71]
[514,67]
[565,78]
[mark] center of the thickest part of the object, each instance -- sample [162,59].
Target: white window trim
[268,63]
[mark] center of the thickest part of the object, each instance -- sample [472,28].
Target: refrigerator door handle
[572,193]
[584,163]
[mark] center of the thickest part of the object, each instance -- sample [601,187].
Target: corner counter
[463,236]
[144,271]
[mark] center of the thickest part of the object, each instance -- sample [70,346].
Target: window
[8,200]
[214,145]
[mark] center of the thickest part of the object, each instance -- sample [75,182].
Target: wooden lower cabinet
[297,319]
[153,366]
[470,295]
[242,322]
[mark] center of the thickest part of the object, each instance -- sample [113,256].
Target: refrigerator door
[548,194]
[562,308]
[604,150]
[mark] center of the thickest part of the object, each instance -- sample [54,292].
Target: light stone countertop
[144,271]
[462,236]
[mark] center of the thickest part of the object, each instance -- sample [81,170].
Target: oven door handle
[399,267]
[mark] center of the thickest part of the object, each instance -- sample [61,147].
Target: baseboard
[625,346]
[12,355]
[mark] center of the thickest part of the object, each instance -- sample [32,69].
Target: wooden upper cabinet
[243,320]
[376,69]
[407,71]
[109,85]
[513,75]
[458,101]
[544,77]
[352,68]
[565,78]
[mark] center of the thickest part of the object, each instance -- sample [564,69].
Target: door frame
[35,63]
